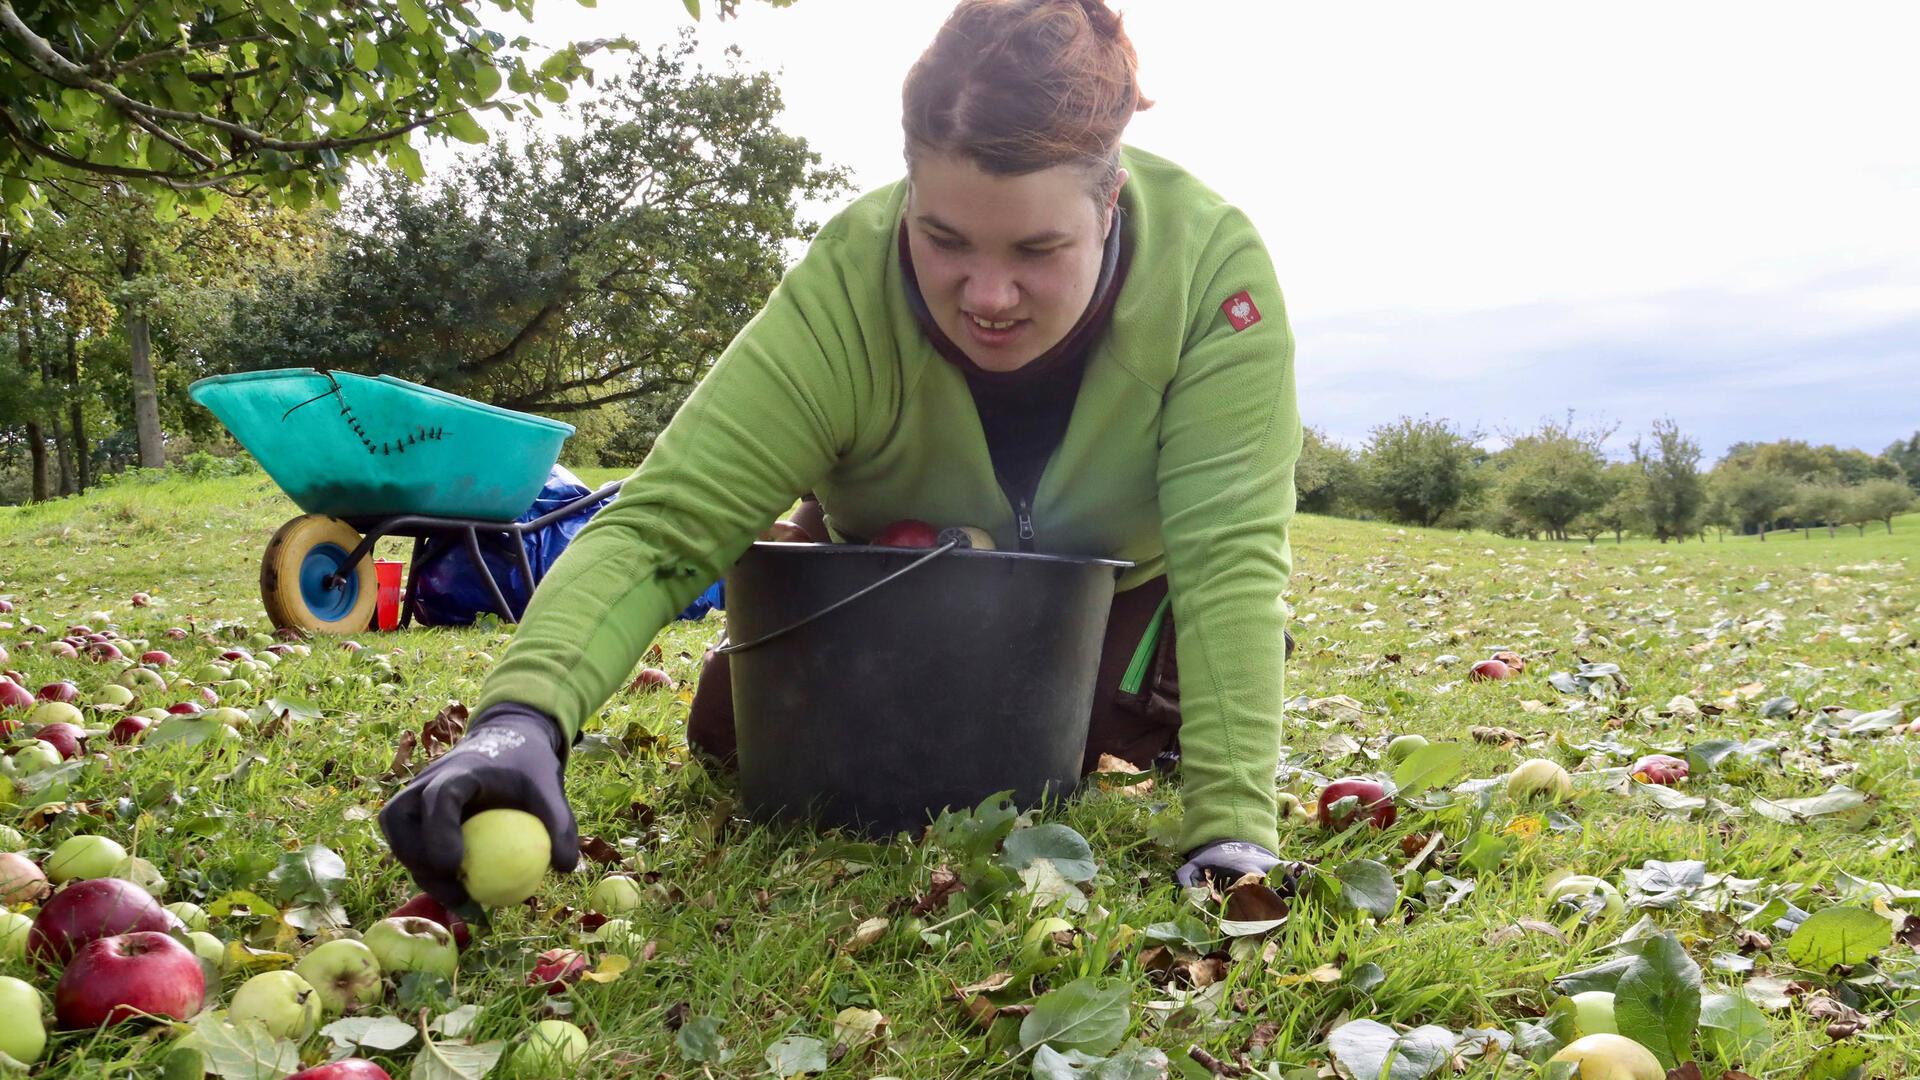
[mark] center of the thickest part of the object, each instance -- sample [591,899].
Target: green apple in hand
[506,856]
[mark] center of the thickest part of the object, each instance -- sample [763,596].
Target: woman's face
[1007,263]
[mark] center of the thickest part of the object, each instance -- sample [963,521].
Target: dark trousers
[1135,727]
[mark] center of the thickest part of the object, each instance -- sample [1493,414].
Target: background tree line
[1559,481]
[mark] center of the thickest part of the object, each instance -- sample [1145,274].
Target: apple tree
[1672,491]
[1879,500]
[1418,471]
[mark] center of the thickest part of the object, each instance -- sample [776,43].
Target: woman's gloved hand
[512,758]
[1226,861]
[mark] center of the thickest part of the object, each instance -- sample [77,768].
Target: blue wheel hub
[331,605]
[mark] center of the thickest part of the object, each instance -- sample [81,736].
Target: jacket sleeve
[1229,436]
[765,424]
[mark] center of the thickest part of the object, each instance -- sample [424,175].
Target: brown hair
[1018,86]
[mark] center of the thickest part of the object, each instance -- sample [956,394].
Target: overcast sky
[1494,212]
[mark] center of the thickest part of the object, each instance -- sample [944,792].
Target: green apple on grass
[85,856]
[1577,885]
[1403,746]
[1610,1057]
[193,915]
[412,944]
[616,894]
[23,1035]
[36,757]
[281,1001]
[13,934]
[1538,778]
[211,951]
[554,1048]
[1593,1013]
[10,839]
[345,972]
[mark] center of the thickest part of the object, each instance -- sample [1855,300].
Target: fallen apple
[1372,800]
[282,1002]
[423,906]
[21,882]
[62,650]
[10,839]
[191,915]
[1659,769]
[102,651]
[1914,727]
[1290,809]
[23,1028]
[1577,886]
[141,599]
[505,856]
[59,691]
[211,951]
[128,729]
[1538,778]
[55,712]
[143,680]
[412,944]
[177,633]
[6,607]
[185,708]
[651,679]
[89,910]
[557,969]
[345,973]
[137,976]
[36,757]
[15,696]
[1610,1057]
[1403,746]
[69,739]
[618,935]
[1593,1013]
[344,1069]
[615,894]
[142,873]
[14,929]
[84,856]
[113,694]
[1513,660]
[554,1048]
[907,533]
[1489,671]
[157,657]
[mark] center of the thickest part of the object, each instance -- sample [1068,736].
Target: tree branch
[172,140]
[530,401]
[106,49]
[167,179]
[42,57]
[181,52]
[523,338]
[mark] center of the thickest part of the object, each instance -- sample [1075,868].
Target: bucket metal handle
[743,646]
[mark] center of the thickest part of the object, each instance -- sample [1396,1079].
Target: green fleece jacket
[1179,457]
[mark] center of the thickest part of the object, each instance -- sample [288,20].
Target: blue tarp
[449,590]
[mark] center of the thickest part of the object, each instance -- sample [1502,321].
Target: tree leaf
[1839,799]
[1838,935]
[240,1051]
[1082,1015]
[699,1041]
[1733,1028]
[1371,1050]
[1657,1001]
[693,8]
[455,1060]
[309,875]
[372,1032]
[1433,765]
[797,1055]
[1067,850]
[1369,887]
[977,831]
[1133,1063]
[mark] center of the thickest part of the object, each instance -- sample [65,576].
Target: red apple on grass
[1374,802]
[344,1069]
[62,650]
[157,657]
[557,969]
[14,696]
[141,599]
[129,728]
[1660,769]
[909,533]
[4,658]
[129,977]
[69,739]
[59,691]
[185,708]
[102,651]
[651,679]
[6,607]
[21,880]
[426,907]
[90,910]
[177,633]
[1489,671]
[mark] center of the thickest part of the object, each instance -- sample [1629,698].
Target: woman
[1069,343]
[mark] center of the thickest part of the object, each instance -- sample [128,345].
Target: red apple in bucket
[129,977]
[907,533]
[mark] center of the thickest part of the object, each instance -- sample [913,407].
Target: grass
[748,923]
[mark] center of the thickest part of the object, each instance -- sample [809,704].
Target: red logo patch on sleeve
[1240,310]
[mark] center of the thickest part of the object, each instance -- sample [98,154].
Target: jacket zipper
[1023,517]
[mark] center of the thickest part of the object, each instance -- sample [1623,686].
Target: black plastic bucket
[948,676]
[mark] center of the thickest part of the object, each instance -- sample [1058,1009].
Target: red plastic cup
[387,573]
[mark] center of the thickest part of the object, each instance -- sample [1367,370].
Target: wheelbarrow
[367,458]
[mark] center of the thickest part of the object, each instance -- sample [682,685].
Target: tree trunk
[36,439]
[146,401]
[1861,527]
[77,415]
[1763,534]
[1889,524]
[1830,532]
[1616,538]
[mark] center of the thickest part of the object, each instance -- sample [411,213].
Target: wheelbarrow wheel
[299,558]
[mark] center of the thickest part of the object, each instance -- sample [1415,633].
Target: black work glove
[1226,861]
[511,759]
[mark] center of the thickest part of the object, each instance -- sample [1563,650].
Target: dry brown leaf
[945,884]
[1110,766]
[600,851]
[1254,901]
[1688,1071]
[866,933]
[403,756]
[993,983]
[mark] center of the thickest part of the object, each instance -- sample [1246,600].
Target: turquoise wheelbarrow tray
[371,457]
